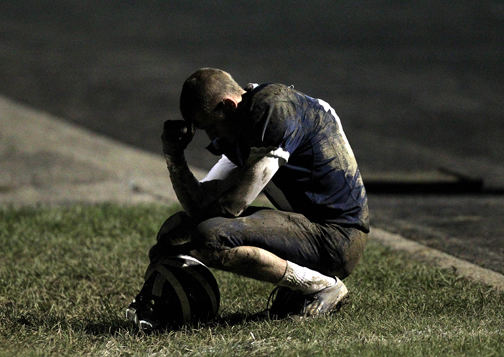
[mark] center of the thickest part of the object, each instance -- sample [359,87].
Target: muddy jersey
[319,176]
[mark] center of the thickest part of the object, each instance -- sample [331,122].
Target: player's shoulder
[268,98]
[270,108]
[268,92]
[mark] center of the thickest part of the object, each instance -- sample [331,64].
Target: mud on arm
[192,196]
[195,197]
[250,180]
[227,190]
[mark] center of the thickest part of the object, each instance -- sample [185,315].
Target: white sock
[305,280]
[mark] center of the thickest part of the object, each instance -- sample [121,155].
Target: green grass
[67,273]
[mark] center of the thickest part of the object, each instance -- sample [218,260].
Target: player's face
[224,128]
[221,129]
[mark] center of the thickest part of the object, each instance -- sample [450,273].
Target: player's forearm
[187,188]
[250,183]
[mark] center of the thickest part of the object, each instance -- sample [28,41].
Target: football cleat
[326,300]
[286,302]
[293,303]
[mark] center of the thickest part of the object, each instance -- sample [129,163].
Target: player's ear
[229,103]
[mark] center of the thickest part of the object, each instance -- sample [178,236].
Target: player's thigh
[290,236]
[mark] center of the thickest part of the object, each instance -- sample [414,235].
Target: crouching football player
[277,140]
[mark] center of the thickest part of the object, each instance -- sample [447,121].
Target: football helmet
[177,290]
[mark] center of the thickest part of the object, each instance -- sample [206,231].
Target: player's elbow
[232,208]
[221,207]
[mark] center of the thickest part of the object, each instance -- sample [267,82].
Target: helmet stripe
[210,292]
[179,290]
[201,280]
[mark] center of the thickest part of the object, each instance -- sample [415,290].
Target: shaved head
[204,91]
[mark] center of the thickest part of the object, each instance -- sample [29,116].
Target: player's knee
[176,222]
[212,239]
[174,236]
[208,234]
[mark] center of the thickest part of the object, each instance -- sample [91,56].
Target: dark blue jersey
[320,178]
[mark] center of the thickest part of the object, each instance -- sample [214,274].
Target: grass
[67,273]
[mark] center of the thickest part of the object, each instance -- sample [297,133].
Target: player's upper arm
[252,179]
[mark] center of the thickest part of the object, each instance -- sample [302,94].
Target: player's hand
[177,134]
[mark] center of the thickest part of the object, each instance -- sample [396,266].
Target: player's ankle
[305,280]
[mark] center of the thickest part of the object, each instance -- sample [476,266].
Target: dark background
[418,86]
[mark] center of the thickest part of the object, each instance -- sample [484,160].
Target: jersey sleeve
[221,170]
